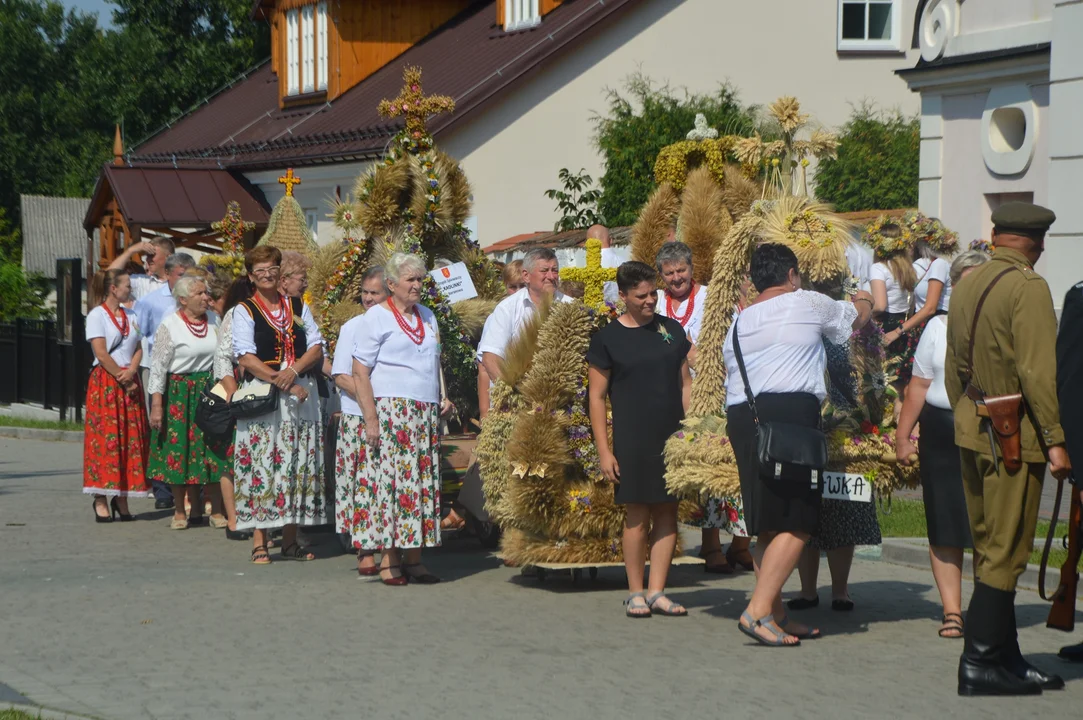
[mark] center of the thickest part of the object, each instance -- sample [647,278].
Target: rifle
[1062,613]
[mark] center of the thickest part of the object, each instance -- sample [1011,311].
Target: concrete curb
[72,436]
[36,711]
[915,554]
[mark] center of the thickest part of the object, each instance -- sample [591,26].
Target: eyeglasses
[267,272]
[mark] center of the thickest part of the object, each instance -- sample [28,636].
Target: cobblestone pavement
[135,621]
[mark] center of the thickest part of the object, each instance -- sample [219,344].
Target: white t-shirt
[859,257]
[898,300]
[939,270]
[399,367]
[695,322]
[507,320]
[782,344]
[612,258]
[929,360]
[342,363]
[98,325]
[178,352]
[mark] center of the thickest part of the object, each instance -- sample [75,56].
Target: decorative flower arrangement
[983,245]
[579,501]
[232,229]
[809,228]
[940,238]
[672,164]
[885,247]
[593,276]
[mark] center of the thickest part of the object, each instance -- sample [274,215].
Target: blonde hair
[512,274]
[102,282]
[903,271]
[293,263]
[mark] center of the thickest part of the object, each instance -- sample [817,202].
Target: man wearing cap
[1002,331]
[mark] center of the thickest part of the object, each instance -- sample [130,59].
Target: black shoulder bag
[785,451]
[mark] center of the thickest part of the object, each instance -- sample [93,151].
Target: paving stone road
[137,621]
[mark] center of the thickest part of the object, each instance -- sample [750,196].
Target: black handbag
[785,451]
[257,400]
[213,414]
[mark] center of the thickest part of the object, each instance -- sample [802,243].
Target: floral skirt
[180,454]
[390,497]
[115,438]
[900,354]
[278,464]
[724,514]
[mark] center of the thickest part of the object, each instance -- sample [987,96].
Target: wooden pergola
[133,204]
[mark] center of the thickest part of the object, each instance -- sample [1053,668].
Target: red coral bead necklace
[196,327]
[123,326]
[416,335]
[671,311]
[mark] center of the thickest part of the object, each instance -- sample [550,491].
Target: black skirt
[774,505]
[942,480]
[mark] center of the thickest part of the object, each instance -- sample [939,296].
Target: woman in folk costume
[683,299]
[115,445]
[278,463]
[395,447]
[180,367]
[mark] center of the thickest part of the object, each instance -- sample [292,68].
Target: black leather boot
[981,669]
[1071,653]
[1018,665]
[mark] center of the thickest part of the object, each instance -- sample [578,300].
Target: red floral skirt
[115,444]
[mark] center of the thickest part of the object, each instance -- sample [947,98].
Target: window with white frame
[293,54]
[521,14]
[870,25]
[307,33]
[321,46]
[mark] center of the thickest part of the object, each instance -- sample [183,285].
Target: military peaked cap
[1023,218]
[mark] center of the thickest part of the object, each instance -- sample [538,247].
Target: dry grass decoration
[287,228]
[415,200]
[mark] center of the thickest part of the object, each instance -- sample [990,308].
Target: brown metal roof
[567,239]
[468,58]
[174,197]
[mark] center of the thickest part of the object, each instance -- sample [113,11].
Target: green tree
[877,163]
[577,203]
[21,295]
[640,122]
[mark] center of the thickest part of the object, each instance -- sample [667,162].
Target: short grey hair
[673,252]
[401,263]
[537,255]
[376,271]
[186,285]
[966,261]
[180,259]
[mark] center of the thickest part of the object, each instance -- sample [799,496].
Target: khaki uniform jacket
[1014,351]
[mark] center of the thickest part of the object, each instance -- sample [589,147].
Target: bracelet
[295,373]
[864,300]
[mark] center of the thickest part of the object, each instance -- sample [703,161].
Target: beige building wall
[513,149]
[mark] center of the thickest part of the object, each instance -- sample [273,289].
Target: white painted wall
[316,191]
[981,15]
[513,149]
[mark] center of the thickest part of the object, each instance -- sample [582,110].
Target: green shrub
[877,163]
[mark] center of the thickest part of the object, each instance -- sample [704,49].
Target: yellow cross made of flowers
[593,276]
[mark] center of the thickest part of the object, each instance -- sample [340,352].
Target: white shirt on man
[508,319]
[935,269]
[98,325]
[399,367]
[929,360]
[782,344]
[342,362]
[612,258]
[695,322]
[898,300]
[143,285]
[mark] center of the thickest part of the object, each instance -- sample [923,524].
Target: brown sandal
[722,568]
[741,559]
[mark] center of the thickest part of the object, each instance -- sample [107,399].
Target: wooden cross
[414,105]
[289,180]
[593,276]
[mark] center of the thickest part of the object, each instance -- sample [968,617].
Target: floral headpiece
[940,238]
[885,247]
[984,245]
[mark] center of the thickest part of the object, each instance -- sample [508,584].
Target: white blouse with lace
[782,344]
[178,352]
[223,352]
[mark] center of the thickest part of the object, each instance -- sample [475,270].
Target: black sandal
[260,555]
[722,568]
[802,603]
[950,625]
[293,551]
[842,605]
[425,578]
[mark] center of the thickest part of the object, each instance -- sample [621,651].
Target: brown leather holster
[1004,413]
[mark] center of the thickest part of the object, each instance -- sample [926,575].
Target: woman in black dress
[640,361]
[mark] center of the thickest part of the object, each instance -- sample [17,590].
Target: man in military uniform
[1070,394]
[1002,331]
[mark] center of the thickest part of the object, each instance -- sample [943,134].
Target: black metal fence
[36,368]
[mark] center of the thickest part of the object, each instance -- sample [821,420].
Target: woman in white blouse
[278,458]
[115,441]
[891,281]
[941,478]
[400,392]
[180,367]
[781,340]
